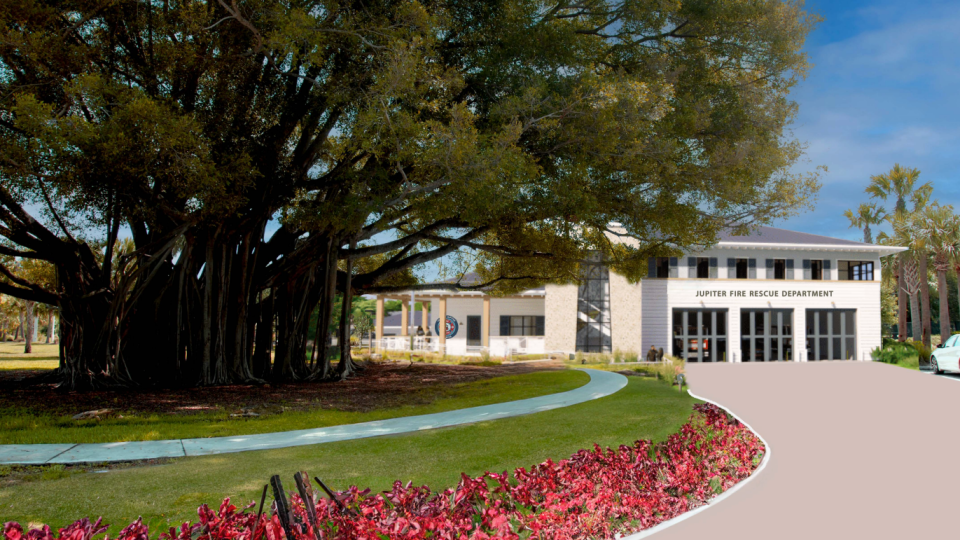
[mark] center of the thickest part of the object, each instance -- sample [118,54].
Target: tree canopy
[382,135]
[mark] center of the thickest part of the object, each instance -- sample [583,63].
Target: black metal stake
[306,495]
[333,497]
[283,507]
[263,499]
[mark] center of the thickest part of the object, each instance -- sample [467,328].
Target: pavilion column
[485,322]
[442,317]
[378,325]
[404,319]
[425,315]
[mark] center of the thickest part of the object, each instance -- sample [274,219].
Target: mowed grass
[43,356]
[166,495]
[20,427]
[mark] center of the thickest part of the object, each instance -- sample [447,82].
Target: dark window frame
[855,270]
[523,326]
[816,336]
[703,267]
[663,267]
[782,342]
[779,269]
[816,269]
[593,307]
[714,340]
[743,268]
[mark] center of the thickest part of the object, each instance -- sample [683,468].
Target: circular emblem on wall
[450,327]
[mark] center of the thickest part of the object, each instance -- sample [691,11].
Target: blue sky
[883,89]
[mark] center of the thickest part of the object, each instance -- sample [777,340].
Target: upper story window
[855,270]
[816,270]
[703,267]
[743,270]
[663,267]
[779,269]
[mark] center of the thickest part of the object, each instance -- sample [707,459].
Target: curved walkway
[862,450]
[602,383]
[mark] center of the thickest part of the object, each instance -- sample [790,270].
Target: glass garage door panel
[700,335]
[831,334]
[766,335]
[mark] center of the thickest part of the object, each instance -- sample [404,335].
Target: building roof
[774,238]
[393,318]
[773,235]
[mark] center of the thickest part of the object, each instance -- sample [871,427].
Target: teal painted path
[602,383]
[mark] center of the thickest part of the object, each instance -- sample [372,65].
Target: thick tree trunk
[198,308]
[263,349]
[29,329]
[944,304]
[925,299]
[915,318]
[901,301]
[346,366]
[325,317]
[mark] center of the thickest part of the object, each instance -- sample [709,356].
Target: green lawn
[43,356]
[169,494]
[20,427]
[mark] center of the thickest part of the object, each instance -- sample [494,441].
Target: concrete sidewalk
[859,450]
[602,383]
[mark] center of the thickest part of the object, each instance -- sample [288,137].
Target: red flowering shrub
[594,494]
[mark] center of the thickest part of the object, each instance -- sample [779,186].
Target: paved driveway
[860,450]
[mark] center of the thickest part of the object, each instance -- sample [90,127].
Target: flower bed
[593,494]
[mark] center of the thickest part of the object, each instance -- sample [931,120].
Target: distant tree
[867,215]
[899,186]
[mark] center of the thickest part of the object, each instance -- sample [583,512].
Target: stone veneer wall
[625,310]
[560,310]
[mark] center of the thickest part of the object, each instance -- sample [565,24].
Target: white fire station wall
[661,296]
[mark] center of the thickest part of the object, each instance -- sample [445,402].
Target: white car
[947,357]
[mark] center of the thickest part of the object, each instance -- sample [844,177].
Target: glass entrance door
[700,335]
[766,335]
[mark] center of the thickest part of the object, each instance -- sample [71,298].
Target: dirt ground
[380,385]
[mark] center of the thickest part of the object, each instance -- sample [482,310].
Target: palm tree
[899,184]
[942,230]
[867,215]
[909,275]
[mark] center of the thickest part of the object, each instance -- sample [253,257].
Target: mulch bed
[380,385]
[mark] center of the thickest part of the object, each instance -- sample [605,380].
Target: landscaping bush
[594,494]
[923,352]
[664,371]
[894,352]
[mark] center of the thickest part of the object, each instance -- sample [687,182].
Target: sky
[883,89]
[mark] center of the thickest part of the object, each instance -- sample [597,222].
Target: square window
[856,270]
